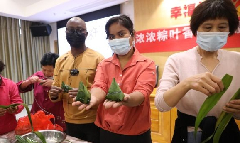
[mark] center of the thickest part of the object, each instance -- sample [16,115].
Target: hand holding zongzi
[54,92]
[113,104]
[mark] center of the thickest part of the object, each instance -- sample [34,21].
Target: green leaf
[114,92]
[29,115]
[83,95]
[65,87]
[211,101]
[222,122]
[20,139]
[40,136]
[221,127]
[9,106]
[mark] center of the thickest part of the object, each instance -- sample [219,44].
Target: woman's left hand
[47,82]
[12,110]
[232,106]
[114,104]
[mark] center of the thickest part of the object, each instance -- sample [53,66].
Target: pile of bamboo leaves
[224,117]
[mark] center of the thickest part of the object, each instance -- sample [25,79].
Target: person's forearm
[25,84]
[136,98]
[99,94]
[173,95]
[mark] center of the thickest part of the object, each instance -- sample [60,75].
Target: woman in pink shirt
[8,95]
[191,76]
[41,82]
[127,121]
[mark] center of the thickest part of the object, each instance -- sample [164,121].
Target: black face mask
[75,39]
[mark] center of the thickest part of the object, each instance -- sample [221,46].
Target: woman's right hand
[2,112]
[34,79]
[206,83]
[54,92]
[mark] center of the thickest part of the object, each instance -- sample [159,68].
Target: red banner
[173,39]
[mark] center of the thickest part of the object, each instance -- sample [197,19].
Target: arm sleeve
[15,97]
[169,79]
[28,88]
[146,80]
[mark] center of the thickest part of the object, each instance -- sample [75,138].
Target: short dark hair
[124,20]
[214,9]
[49,59]
[2,66]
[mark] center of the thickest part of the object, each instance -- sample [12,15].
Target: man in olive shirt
[77,65]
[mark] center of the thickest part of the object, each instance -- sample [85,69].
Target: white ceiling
[52,10]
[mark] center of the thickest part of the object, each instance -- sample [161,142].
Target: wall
[125,8]
[53,35]
[157,14]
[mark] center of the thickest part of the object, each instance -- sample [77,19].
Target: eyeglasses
[72,30]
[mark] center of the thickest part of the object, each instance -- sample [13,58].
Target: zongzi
[83,95]
[114,92]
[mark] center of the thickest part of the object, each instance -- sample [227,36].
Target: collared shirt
[42,101]
[139,74]
[86,63]
[185,64]
[9,95]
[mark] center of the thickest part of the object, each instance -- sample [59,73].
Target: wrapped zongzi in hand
[83,95]
[65,87]
[114,92]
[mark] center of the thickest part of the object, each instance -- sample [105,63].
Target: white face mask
[211,41]
[120,46]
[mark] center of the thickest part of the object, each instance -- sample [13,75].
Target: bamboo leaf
[115,93]
[221,127]
[222,122]
[235,96]
[83,95]
[65,87]
[211,101]
[206,140]
[29,115]
[40,136]
[9,106]
[20,139]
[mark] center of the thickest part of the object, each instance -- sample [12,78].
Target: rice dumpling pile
[114,92]
[65,87]
[83,95]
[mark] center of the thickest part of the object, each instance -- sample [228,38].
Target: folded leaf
[83,95]
[114,92]
[65,87]
[9,106]
[211,101]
